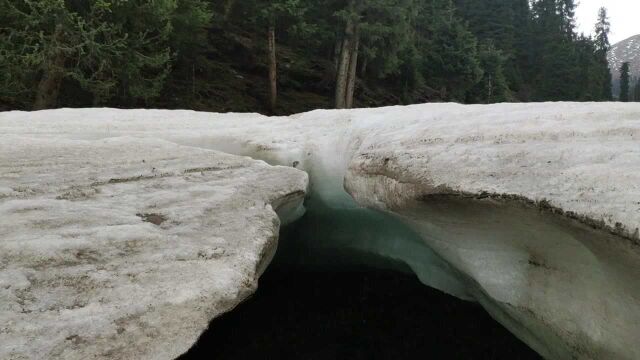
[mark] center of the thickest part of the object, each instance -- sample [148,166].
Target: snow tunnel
[345,284]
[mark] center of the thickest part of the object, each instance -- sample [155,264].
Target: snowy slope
[533,210]
[625,51]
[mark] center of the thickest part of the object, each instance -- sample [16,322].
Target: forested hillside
[285,56]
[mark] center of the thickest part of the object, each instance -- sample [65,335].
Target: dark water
[354,314]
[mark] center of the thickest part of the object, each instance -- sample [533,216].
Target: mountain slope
[625,51]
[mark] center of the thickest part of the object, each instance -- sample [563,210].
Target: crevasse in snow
[530,209]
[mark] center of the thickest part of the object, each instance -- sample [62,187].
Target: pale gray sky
[623,14]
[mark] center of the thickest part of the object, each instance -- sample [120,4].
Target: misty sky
[624,16]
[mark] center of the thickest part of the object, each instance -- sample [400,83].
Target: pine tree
[603,28]
[594,81]
[188,40]
[374,31]
[567,12]
[167,52]
[504,23]
[624,82]
[519,61]
[107,48]
[448,51]
[271,12]
[555,51]
[602,45]
[491,20]
[493,86]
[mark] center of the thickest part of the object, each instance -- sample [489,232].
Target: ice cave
[512,228]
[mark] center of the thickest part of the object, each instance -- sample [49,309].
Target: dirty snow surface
[581,158]
[532,210]
[125,248]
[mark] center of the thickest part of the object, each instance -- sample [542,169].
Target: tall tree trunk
[490,90]
[228,6]
[342,76]
[363,67]
[353,69]
[193,80]
[52,76]
[273,69]
[337,50]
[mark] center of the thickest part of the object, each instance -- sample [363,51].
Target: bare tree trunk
[52,75]
[273,69]
[363,67]
[337,49]
[342,76]
[490,92]
[353,68]
[193,80]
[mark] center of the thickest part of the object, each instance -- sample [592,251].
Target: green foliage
[198,53]
[189,22]
[271,10]
[493,86]
[386,33]
[602,46]
[544,57]
[260,14]
[448,51]
[111,49]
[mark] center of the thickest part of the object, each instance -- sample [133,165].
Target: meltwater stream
[330,294]
[357,313]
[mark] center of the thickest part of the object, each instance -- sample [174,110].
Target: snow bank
[126,248]
[531,209]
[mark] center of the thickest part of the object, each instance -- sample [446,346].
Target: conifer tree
[519,60]
[493,87]
[602,45]
[376,31]
[270,13]
[448,51]
[567,12]
[555,51]
[624,82]
[121,48]
[169,52]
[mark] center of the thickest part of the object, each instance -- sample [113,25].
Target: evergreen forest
[287,56]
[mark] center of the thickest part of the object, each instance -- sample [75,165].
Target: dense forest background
[287,56]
